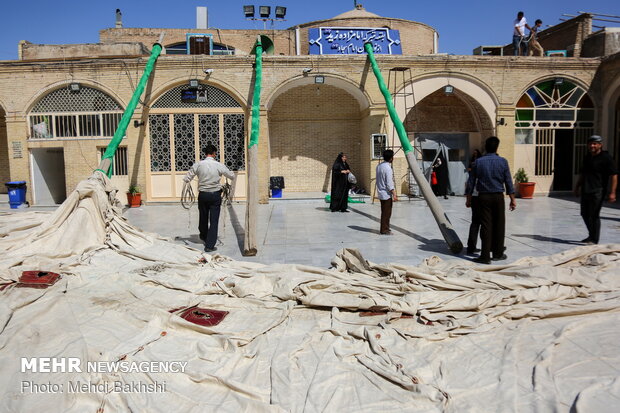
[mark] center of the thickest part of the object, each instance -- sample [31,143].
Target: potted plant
[134,196]
[526,188]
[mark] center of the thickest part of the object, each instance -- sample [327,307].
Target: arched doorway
[451,119]
[182,122]
[62,121]
[553,120]
[5,172]
[308,126]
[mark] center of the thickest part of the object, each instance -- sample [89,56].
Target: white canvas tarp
[539,334]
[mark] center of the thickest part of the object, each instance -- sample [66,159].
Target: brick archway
[308,126]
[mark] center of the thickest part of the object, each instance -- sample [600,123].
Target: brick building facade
[304,124]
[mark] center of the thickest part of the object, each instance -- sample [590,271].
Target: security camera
[307,70]
[208,71]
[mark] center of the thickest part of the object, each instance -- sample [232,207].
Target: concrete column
[17,145]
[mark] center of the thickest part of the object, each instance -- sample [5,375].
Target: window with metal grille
[63,113]
[214,98]
[379,144]
[119,163]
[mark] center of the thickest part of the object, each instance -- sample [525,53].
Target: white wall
[48,176]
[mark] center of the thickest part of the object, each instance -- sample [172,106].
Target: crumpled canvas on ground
[539,334]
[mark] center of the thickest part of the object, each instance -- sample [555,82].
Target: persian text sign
[350,40]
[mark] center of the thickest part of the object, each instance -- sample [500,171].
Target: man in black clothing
[597,171]
[490,175]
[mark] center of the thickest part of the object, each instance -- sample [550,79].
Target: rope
[188,198]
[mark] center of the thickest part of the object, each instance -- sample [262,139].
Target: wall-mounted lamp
[194,83]
[306,70]
[319,79]
[501,121]
[208,72]
[448,90]
[74,87]
[138,123]
[558,81]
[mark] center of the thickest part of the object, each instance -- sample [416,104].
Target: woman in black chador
[340,184]
[440,167]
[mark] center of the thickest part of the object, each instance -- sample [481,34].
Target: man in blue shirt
[386,190]
[489,176]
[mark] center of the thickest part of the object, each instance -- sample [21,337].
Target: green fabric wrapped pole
[258,70]
[131,107]
[451,237]
[400,129]
[251,211]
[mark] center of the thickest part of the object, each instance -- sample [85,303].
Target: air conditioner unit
[199,43]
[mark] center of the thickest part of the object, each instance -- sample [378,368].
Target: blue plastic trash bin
[17,193]
[276,193]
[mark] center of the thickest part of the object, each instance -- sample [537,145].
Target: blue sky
[462,26]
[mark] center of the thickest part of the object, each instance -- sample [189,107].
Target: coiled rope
[188,198]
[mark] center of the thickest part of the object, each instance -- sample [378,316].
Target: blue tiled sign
[350,40]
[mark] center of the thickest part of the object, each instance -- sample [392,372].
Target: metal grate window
[215,98]
[209,130]
[234,142]
[545,139]
[119,162]
[160,143]
[184,151]
[379,144]
[65,114]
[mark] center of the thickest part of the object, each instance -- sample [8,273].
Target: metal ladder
[399,77]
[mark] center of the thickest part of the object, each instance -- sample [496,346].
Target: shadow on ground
[548,239]
[431,245]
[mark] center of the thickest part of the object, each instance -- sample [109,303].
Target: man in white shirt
[385,190]
[519,42]
[209,172]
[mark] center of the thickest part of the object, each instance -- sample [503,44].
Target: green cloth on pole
[400,129]
[256,95]
[131,107]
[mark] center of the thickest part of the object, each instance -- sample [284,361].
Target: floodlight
[280,12]
[248,11]
[264,11]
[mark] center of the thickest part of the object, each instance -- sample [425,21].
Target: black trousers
[474,227]
[591,205]
[386,214]
[492,224]
[209,208]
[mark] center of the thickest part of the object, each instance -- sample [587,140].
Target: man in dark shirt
[489,175]
[598,167]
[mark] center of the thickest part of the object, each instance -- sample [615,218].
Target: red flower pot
[526,190]
[134,200]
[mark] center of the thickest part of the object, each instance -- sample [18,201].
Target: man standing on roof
[533,45]
[209,172]
[519,42]
[597,174]
[489,175]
